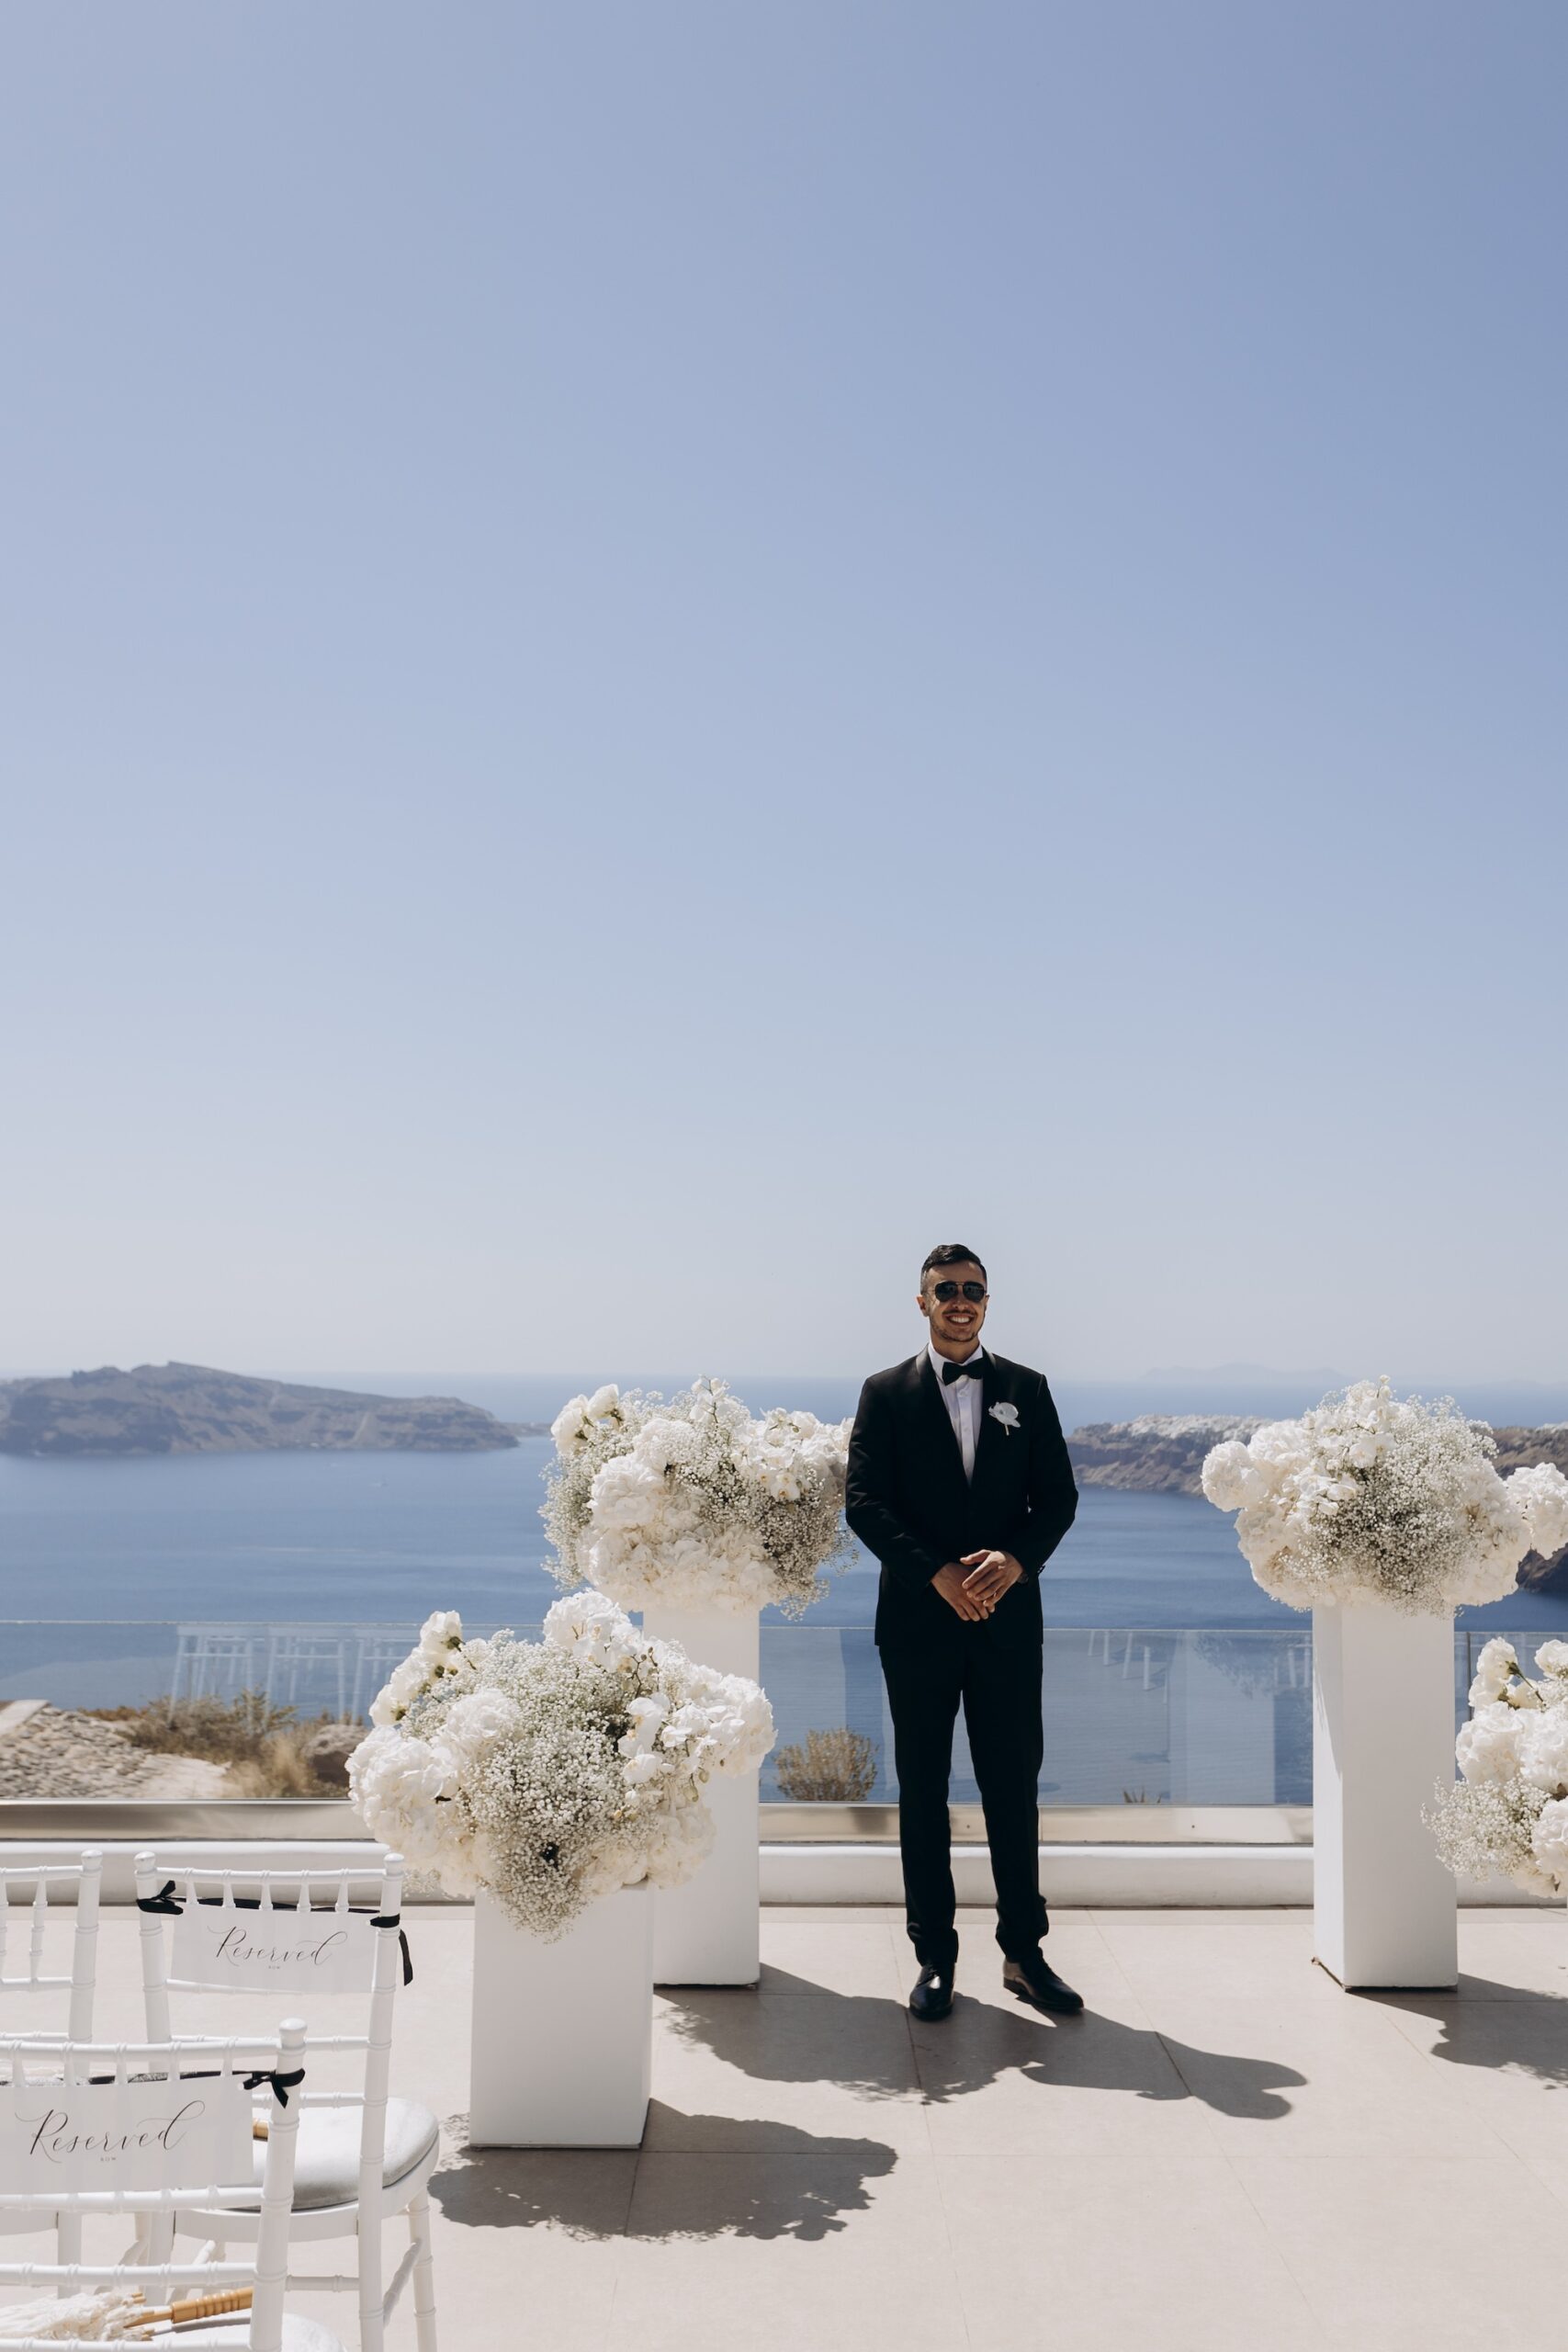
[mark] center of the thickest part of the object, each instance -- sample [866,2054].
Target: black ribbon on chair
[394,1919]
[162,1901]
[281,2083]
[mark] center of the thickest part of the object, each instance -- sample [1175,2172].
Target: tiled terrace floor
[1225,2152]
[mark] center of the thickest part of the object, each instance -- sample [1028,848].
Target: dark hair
[951,1253]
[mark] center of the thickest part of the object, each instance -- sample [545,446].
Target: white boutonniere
[1007,1414]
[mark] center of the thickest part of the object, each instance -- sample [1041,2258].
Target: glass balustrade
[167,1711]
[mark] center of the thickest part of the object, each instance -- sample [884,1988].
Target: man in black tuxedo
[959,1482]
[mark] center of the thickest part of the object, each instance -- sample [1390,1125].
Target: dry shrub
[222,1731]
[827,1768]
[263,1746]
[279,1769]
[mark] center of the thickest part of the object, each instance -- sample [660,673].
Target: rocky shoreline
[48,1751]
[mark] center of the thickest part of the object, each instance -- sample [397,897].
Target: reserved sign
[222,1946]
[182,2132]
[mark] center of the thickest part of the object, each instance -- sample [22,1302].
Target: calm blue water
[325,1536]
[101,1562]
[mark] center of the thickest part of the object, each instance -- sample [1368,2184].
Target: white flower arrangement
[549,1774]
[694,1503]
[1509,1813]
[1369,1497]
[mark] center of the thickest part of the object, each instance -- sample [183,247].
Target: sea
[120,1578]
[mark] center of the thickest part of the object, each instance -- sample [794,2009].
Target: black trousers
[998,1685]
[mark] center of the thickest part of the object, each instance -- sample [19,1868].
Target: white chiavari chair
[365,2157]
[26,1969]
[54,2099]
[25,1904]
[301,1653]
[214,1661]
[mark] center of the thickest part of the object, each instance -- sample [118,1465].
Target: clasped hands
[974,1596]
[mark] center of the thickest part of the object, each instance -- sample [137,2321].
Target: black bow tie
[974,1370]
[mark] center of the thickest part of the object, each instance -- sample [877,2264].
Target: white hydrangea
[1232,1478]
[589,1625]
[1549,1841]
[1488,1746]
[1371,1497]
[398,1783]
[1539,1494]
[551,1773]
[1509,1811]
[1543,1751]
[694,1503]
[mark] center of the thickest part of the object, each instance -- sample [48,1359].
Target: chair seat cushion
[326,2159]
[225,2334]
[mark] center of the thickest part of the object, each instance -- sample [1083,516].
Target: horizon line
[1232,1371]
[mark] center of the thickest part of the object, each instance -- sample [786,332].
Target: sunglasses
[974,1291]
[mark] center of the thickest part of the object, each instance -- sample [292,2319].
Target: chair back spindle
[158,2073]
[24,1900]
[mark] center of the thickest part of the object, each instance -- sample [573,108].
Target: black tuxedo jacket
[909,1503]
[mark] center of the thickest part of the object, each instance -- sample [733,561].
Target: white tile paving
[1225,2152]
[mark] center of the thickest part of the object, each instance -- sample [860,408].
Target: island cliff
[190,1409]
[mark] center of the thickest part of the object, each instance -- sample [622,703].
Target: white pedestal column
[562,2043]
[1385,1912]
[706,1932]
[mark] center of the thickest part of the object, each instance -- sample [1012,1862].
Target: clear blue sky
[654,655]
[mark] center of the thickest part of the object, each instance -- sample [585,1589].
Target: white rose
[604,1405]
[402,1687]
[1494,1669]
[568,1428]
[442,1631]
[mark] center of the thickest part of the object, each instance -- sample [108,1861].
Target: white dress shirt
[962,1398]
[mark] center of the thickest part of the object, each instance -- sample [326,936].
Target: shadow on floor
[803,2186]
[1491,2025]
[872,2046]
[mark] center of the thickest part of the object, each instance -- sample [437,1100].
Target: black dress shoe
[932,1996]
[1035,1980]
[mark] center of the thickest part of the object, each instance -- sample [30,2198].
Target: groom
[960,1483]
